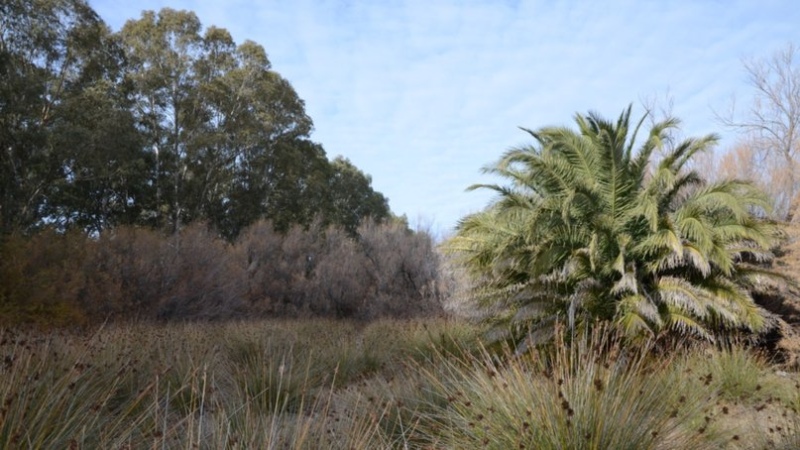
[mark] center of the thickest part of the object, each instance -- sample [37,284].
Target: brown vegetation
[784,301]
[309,384]
[65,279]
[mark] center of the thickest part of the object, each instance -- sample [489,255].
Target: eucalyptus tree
[591,227]
[161,49]
[216,116]
[65,134]
[32,41]
[256,132]
[160,124]
[351,197]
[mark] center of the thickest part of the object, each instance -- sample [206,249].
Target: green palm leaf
[590,227]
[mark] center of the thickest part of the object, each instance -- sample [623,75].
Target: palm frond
[685,324]
[589,226]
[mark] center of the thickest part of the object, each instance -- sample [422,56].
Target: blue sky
[422,94]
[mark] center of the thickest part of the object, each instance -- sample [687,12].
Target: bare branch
[773,122]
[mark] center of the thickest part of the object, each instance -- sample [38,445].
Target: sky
[422,94]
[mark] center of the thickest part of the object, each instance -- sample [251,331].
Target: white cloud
[421,94]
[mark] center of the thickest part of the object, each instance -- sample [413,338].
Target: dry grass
[326,384]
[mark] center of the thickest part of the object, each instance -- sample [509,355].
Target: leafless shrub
[387,270]
[340,284]
[201,277]
[131,262]
[190,275]
[404,268]
[276,268]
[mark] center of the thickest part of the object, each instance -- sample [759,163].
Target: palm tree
[591,228]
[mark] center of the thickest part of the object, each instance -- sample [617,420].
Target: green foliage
[230,134]
[594,225]
[63,121]
[352,197]
[161,124]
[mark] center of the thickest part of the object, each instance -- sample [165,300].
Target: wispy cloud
[421,94]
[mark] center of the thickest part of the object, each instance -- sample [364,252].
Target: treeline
[165,172]
[56,279]
[161,124]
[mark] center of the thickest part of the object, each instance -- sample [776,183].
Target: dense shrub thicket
[386,270]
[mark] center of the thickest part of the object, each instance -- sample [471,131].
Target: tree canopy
[162,124]
[594,225]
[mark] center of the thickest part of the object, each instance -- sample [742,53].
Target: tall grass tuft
[592,394]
